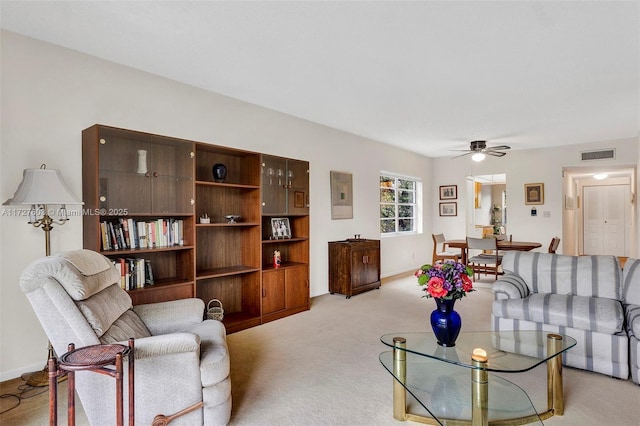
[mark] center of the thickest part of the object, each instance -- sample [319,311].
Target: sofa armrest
[171,316]
[166,344]
[632,320]
[510,286]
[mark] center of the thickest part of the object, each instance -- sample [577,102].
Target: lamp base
[40,378]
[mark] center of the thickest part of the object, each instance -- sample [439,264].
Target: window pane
[387,181]
[405,197]
[405,225]
[406,184]
[387,226]
[387,211]
[387,195]
[405,211]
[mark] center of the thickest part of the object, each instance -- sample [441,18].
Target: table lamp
[40,189]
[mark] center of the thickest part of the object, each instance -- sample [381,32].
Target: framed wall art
[534,193]
[449,209]
[341,195]
[449,192]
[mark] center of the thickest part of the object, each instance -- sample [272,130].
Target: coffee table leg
[479,392]
[555,397]
[400,373]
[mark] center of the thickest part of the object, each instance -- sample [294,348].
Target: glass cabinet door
[298,187]
[274,180]
[125,186]
[172,165]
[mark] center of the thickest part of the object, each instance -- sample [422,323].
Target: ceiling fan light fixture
[478,157]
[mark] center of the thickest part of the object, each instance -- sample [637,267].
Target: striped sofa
[631,298]
[580,296]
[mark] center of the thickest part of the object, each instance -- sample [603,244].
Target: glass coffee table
[454,386]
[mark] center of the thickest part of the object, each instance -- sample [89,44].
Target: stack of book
[122,234]
[134,272]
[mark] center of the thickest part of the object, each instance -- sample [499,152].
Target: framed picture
[280,228]
[341,195]
[449,192]
[298,199]
[534,193]
[449,209]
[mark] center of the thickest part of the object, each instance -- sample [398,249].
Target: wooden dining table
[502,245]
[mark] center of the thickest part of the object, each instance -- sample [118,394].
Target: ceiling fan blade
[495,153]
[462,155]
[499,147]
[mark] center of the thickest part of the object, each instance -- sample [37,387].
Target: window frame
[416,204]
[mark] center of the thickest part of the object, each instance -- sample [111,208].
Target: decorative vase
[142,161]
[446,322]
[219,172]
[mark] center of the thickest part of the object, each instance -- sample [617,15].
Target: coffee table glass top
[510,351]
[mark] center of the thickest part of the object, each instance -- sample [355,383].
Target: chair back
[482,243]
[553,246]
[439,251]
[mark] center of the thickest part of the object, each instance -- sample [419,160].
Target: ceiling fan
[479,149]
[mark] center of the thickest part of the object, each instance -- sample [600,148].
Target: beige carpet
[321,367]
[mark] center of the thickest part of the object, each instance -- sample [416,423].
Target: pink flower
[435,287]
[467,284]
[419,272]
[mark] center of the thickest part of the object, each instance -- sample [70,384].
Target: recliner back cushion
[589,276]
[103,309]
[128,325]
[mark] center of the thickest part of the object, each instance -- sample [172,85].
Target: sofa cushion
[584,313]
[104,308]
[589,276]
[632,313]
[214,361]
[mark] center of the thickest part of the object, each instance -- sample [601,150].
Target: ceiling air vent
[605,154]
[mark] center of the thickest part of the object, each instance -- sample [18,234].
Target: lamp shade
[42,186]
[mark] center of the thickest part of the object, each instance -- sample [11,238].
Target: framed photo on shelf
[298,199]
[534,193]
[341,195]
[280,228]
[449,192]
[449,209]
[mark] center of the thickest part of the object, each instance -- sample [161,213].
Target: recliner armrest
[510,286]
[171,316]
[166,344]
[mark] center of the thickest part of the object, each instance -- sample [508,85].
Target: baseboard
[12,374]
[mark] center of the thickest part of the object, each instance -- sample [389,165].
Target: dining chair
[488,260]
[440,251]
[553,246]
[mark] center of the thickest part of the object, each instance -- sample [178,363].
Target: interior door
[605,216]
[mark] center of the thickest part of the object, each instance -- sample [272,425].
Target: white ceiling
[429,76]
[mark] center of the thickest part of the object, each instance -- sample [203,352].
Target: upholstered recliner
[180,360]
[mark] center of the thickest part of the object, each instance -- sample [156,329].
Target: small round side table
[96,358]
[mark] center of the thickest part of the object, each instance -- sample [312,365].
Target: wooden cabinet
[132,178]
[136,176]
[354,266]
[285,191]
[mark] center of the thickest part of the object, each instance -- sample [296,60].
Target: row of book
[125,233]
[134,272]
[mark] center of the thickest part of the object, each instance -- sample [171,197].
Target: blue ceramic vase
[446,323]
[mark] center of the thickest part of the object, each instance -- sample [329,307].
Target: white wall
[50,94]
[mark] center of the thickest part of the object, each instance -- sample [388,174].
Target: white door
[605,217]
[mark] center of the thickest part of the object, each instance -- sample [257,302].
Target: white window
[399,207]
